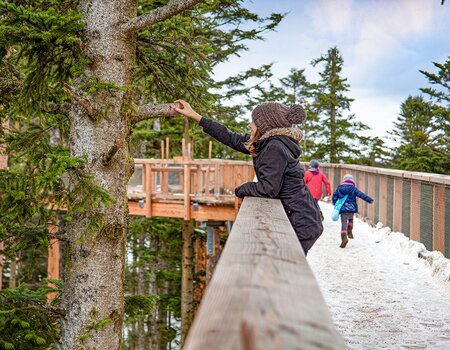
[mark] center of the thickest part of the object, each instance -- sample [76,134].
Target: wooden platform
[160,187]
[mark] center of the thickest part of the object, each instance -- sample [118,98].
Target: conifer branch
[159,14]
[154,110]
[106,158]
[84,102]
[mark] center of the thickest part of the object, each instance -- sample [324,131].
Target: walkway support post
[263,295]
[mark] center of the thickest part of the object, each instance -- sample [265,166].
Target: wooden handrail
[405,174]
[263,294]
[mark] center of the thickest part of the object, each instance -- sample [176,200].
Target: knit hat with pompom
[272,115]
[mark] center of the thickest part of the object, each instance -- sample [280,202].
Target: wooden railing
[416,204]
[160,187]
[263,294]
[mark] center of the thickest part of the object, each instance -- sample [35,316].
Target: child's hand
[187,110]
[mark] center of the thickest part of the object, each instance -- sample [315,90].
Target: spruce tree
[87,72]
[336,136]
[420,136]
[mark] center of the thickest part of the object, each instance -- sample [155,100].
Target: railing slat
[263,292]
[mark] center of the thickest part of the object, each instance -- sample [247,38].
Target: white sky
[383,42]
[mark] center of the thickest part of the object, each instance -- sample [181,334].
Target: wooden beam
[53,260]
[167,148]
[439,218]
[371,193]
[415,211]
[397,206]
[382,211]
[263,291]
[187,192]
[148,189]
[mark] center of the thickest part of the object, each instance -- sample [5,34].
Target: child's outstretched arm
[363,196]
[215,129]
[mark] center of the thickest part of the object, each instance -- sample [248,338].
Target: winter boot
[344,239]
[350,230]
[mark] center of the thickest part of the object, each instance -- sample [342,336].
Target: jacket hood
[346,188]
[290,137]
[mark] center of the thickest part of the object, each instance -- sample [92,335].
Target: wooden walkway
[160,187]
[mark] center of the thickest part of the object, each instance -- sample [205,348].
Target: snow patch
[435,262]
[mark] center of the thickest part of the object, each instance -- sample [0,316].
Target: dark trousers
[346,221]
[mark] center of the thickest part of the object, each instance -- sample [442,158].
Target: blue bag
[337,208]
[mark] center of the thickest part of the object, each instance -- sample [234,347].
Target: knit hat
[314,164]
[348,177]
[272,115]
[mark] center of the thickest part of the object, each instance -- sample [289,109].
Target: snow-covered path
[380,297]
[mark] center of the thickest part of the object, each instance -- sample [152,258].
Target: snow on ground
[380,294]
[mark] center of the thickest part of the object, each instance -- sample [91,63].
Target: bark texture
[94,270]
[187,281]
[101,125]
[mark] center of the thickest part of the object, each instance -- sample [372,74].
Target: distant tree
[336,134]
[298,90]
[419,133]
[439,95]
[373,152]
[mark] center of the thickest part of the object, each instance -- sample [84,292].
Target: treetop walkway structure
[416,204]
[263,293]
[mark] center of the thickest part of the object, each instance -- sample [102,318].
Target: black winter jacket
[279,176]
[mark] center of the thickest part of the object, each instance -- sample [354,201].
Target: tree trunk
[333,131]
[13,272]
[141,290]
[187,280]
[93,288]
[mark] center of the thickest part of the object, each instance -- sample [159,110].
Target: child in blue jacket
[350,207]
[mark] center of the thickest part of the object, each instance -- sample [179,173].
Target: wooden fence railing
[416,204]
[163,189]
[263,294]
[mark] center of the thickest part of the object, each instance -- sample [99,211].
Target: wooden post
[53,260]
[209,150]
[148,189]
[207,179]
[162,150]
[13,272]
[200,268]
[383,200]
[361,185]
[439,218]
[415,211]
[183,149]
[187,280]
[167,148]
[371,193]
[397,205]
[187,192]
[217,178]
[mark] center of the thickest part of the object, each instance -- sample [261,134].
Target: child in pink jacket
[314,179]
